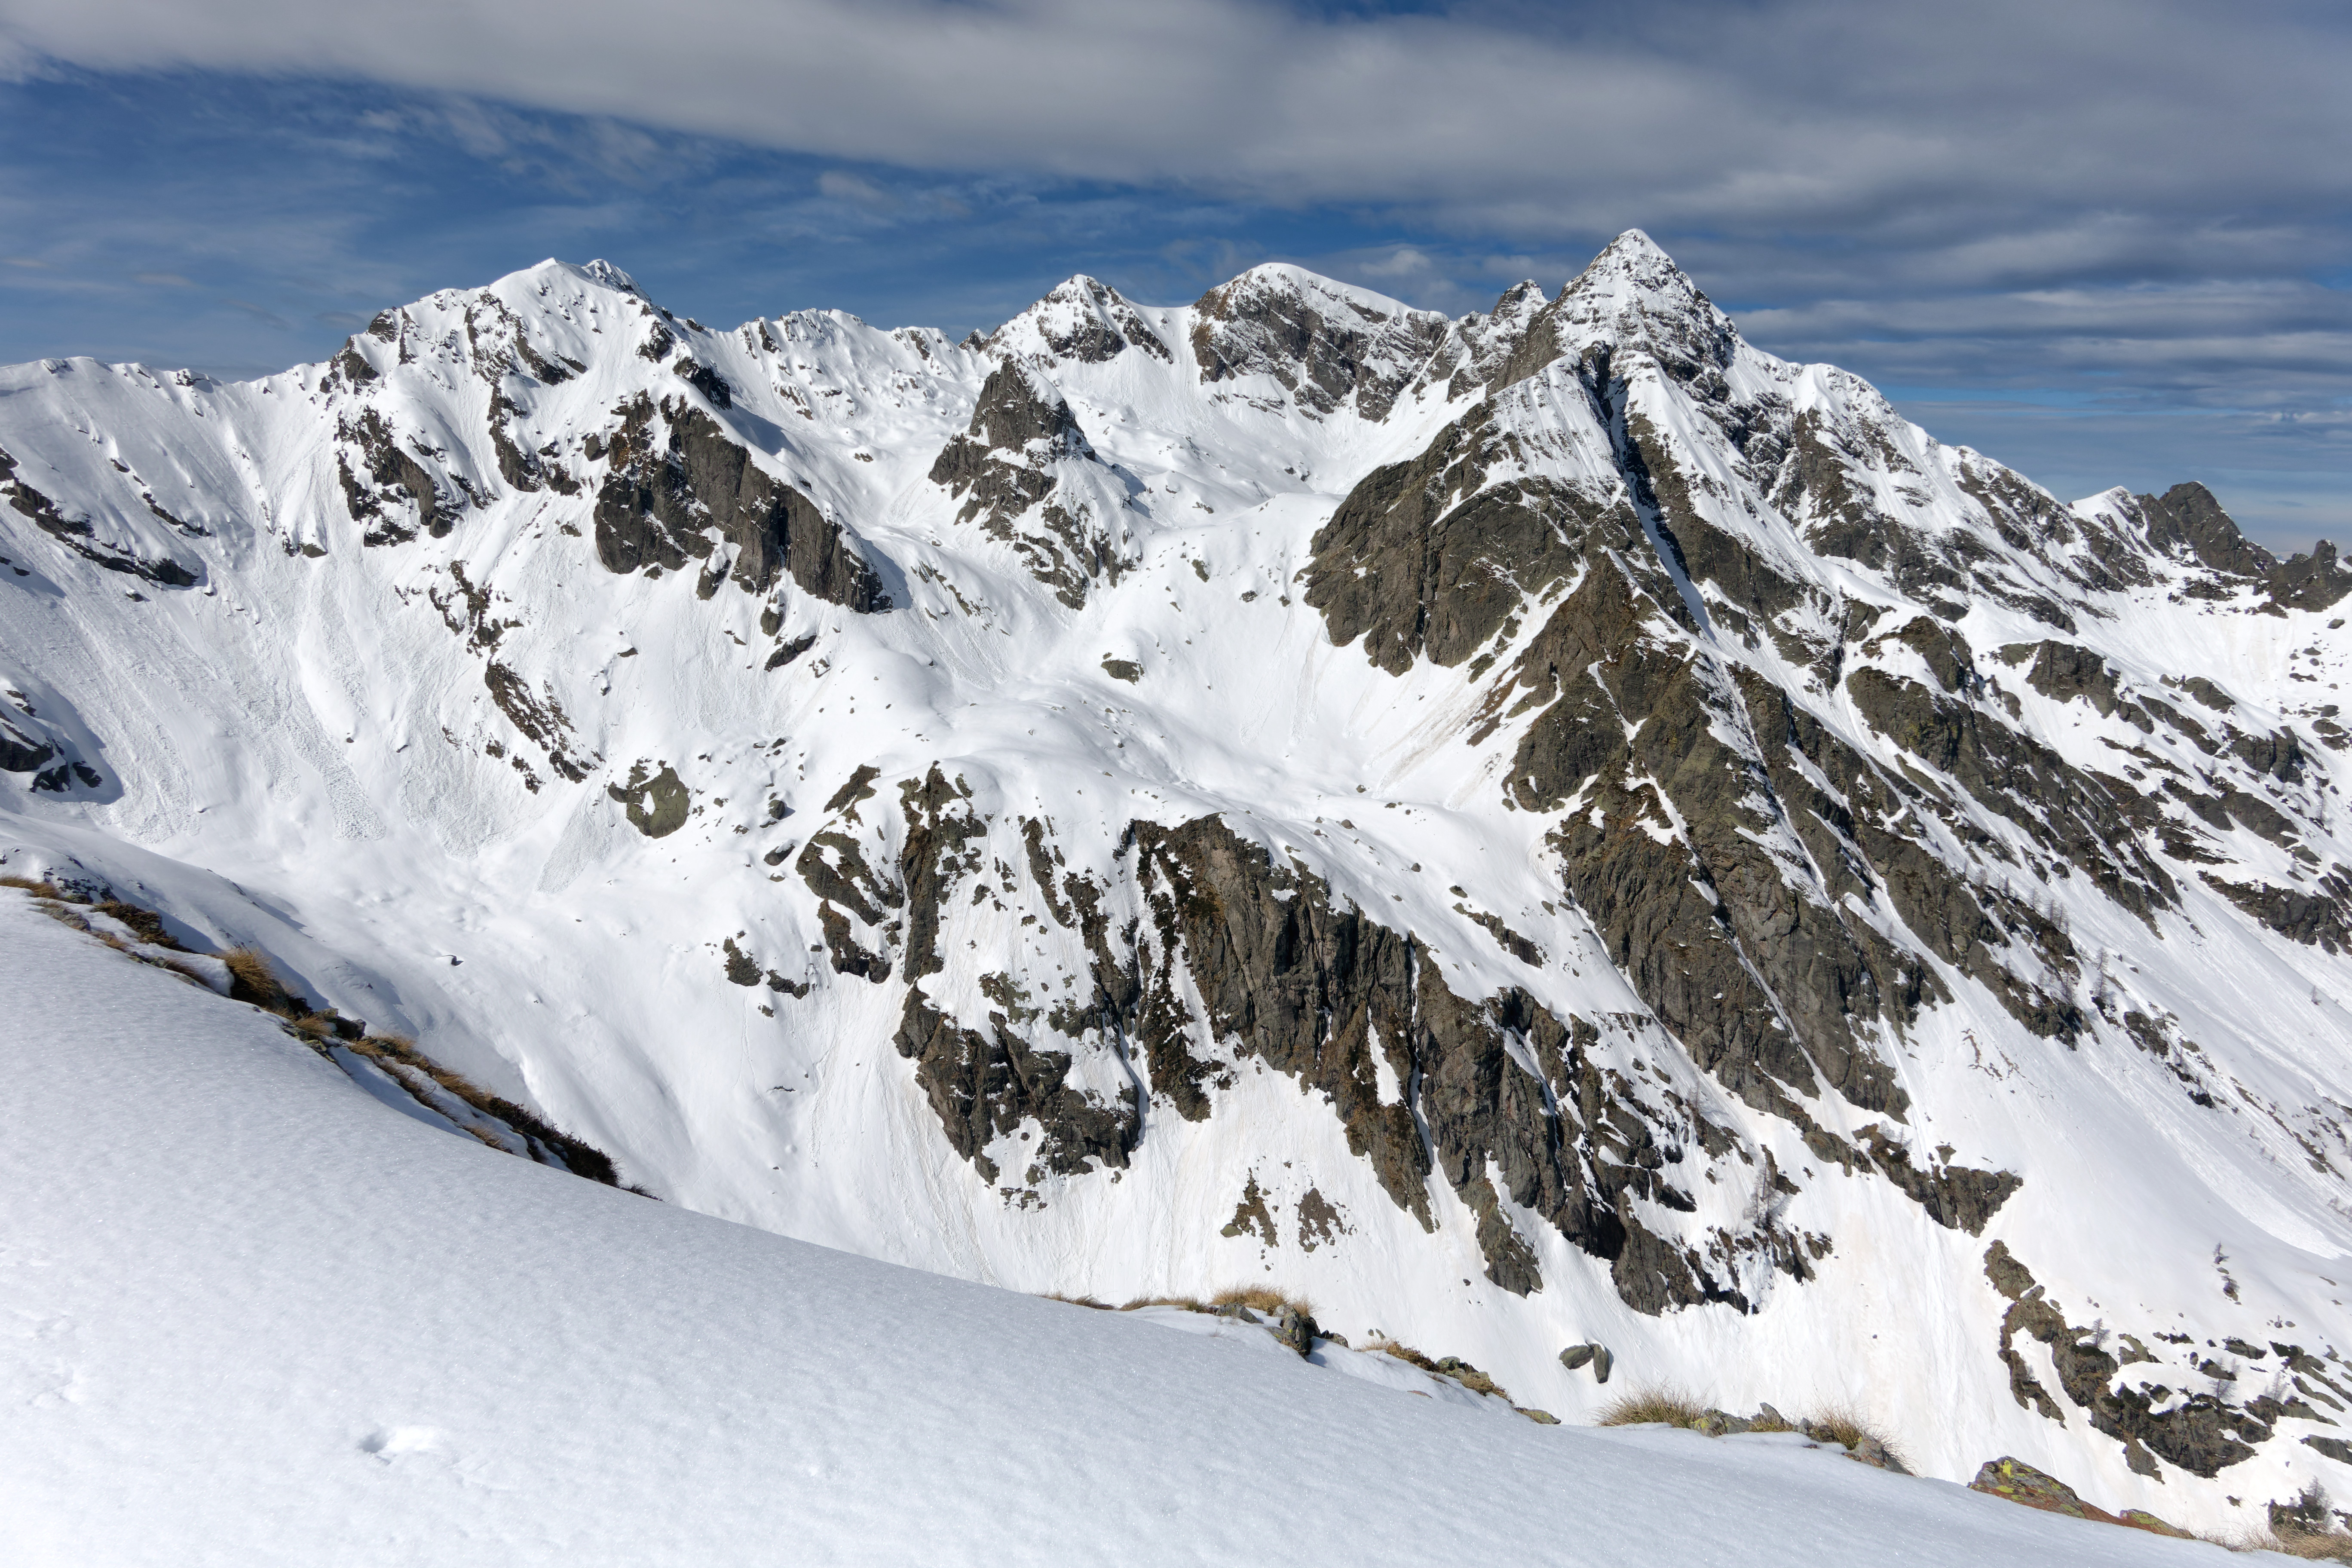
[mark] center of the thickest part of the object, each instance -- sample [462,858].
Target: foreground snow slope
[250,1316]
[1546,828]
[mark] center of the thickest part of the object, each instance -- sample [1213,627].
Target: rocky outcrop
[2186,521]
[541,721]
[1011,468]
[22,751]
[1424,558]
[677,481]
[2320,918]
[2313,582]
[655,803]
[2202,1432]
[76,535]
[401,495]
[1326,347]
[986,1085]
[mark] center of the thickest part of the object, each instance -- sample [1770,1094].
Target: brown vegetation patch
[581,1159]
[1658,1404]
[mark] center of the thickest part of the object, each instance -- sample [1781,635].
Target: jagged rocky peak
[1329,345]
[1486,339]
[2186,519]
[1632,297]
[1020,412]
[2187,528]
[599,270]
[1027,473]
[1082,319]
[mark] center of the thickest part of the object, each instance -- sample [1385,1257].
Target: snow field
[253,1317]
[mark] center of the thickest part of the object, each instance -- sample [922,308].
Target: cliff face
[1545,828]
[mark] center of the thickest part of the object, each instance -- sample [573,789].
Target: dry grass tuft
[399,1051]
[1383,1345]
[2301,1543]
[145,921]
[251,979]
[39,890]
[1188,1303]
[1659,1402]
[1848,1427]
[1098,1306]
[1454,1367]
[185,973]
[2311,1548]
[1262,1299]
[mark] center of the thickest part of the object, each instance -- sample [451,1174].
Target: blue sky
[2106,243]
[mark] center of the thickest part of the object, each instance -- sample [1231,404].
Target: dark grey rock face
[1423,559]
[2203,1434]
[2186,519]
[2313,582]
[21,751]
[676,478]
[1313,989]
[1008,467]
[76,535]
[1325,354]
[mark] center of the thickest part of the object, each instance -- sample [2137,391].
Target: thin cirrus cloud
[2141,203]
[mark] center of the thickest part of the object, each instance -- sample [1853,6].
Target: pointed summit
[1632,246]
[1081,318]
[603,271]
[1632,297]
[1631,276]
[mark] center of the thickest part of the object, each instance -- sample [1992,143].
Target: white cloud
[1811,113]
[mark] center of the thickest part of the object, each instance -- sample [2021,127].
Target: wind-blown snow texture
[1547,827]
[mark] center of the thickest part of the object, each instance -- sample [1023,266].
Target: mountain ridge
[1793,791]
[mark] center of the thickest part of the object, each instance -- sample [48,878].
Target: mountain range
[1543,829]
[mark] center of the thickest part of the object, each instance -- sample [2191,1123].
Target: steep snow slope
[254,1318]
[1547,827]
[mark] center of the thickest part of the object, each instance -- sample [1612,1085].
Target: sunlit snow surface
[248,1316]
[295,753]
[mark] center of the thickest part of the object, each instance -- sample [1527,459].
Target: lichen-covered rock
[2020,1483]
[657,803]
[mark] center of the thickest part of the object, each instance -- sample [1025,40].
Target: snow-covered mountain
[1550,828]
